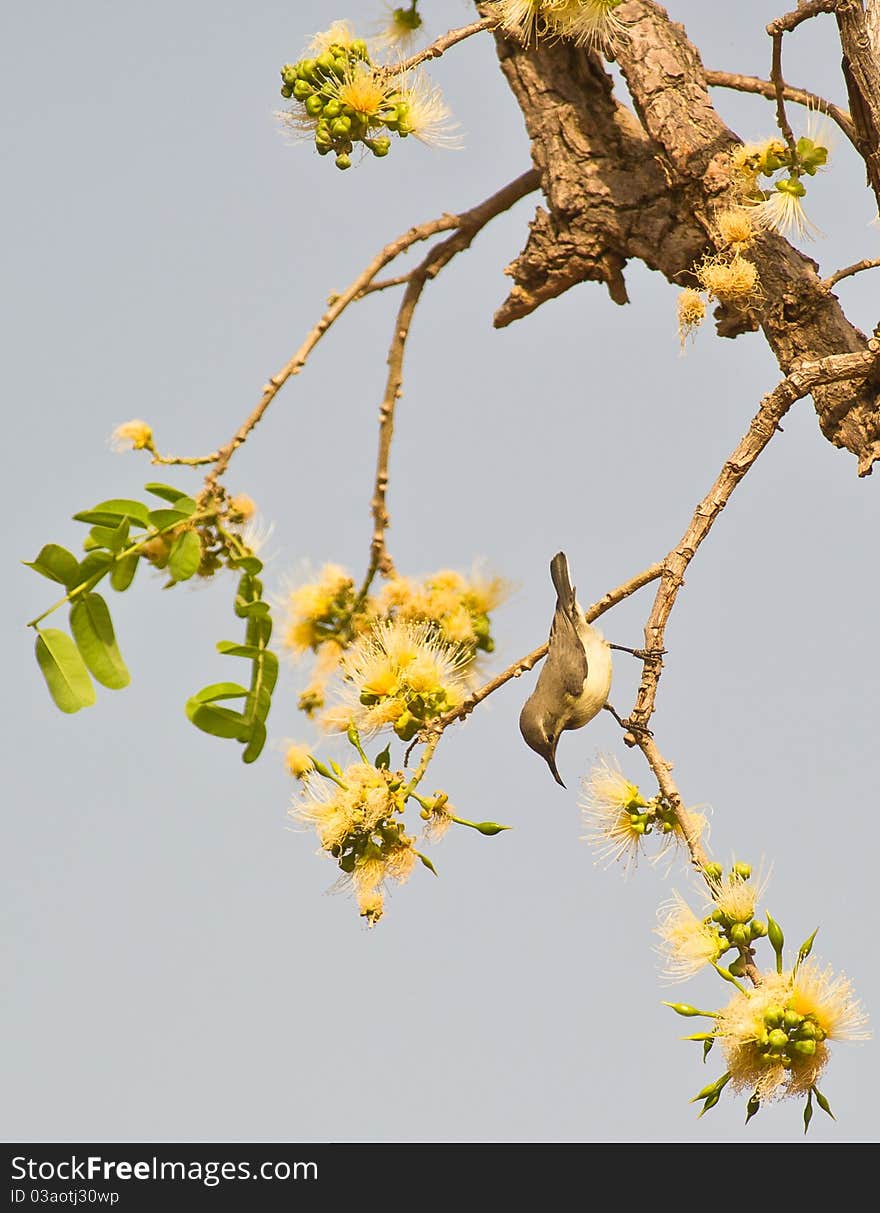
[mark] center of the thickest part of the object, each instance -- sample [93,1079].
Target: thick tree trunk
[645,185]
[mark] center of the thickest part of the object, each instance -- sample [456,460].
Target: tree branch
[800,96]
[848,271]
[469,223]
[764,425]
[442,44]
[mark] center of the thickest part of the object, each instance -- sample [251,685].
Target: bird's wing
[566,656]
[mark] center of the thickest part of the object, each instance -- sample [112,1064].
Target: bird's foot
[642,654]
[628,725]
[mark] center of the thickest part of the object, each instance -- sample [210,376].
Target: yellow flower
[524,19]
[589,23]
[243,507]
[437,819]
[133,435]
[400,673]
[729,281]
[400,28]
[691,312]
[737,898]
[612,812]
[365,89]
[423,112]
[338,813]
[734,228]
[298,760]
[340,33]
[688,943]
[317,609]
[775,1037]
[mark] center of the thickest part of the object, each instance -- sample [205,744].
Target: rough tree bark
[644,183]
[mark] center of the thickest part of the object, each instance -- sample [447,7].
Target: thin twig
[442,44]
[779,88]
[790,21]
[848,271]
[651,573]
[764,425]
[192,461]
[337,306]
[384,283]
[469,224]
[800,96]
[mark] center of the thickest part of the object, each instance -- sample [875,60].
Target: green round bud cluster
[787,1036]
[377,843]
[315,83]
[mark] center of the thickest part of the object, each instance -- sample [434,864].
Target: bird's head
[533,725]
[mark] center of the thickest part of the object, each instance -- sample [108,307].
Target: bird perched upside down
[575,678]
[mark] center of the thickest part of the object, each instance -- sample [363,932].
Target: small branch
[651,573]
[800,96]
[790,21]
[848,271]
[779,88]
[469,223]
[384,283]
[764,425]
[663,774]
[442,44]
[337,306]
[192,461]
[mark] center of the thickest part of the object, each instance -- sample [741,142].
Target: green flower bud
[757,929]
[381,147]
[791,185]
[792,1020]
[286,91]
[289,74]
[325,62]
[359,49]
[685,1008]
[332,108]
[742,870]
[808,1030]
[713,871]
[773,1016]
[778,1040]
[340,66]
[804,1048]
[777,940]
[740,935]
[340,128]
[302,89]
[306,69]
[406,726]
[314,106]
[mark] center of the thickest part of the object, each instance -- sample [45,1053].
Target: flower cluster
[725,275]
[589,23]
[400,675]
[327,615]
[780,208]
[688,941]
[354,813]
[342,98]
[618,819]
[775,1035]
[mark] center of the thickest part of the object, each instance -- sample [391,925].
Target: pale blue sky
[175,970]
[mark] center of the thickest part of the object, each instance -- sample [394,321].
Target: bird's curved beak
[551,763]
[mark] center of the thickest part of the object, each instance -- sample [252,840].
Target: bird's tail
[562,582]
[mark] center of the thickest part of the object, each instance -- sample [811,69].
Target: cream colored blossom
[775,1037]
[135,435]
[688,943]
[298,760]
[589,23]
[399,28]
[400,673]
[613,814]
[783,212]
[730,280]
[423,112]
[691,313]
[340,33]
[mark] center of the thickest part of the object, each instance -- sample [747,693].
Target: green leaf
[185,556]
[383,759]
[230,649]
[115,538]
[269,665]
[250,564]
[94,563]
[161,519]
[245,609]
[806,948]
[56,563]
[255,746]
[218,690]
[219,722]
[123,571]
[166,491]
[258,704]
[823,1103]
[64,670]
[92,630]
[108,513]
